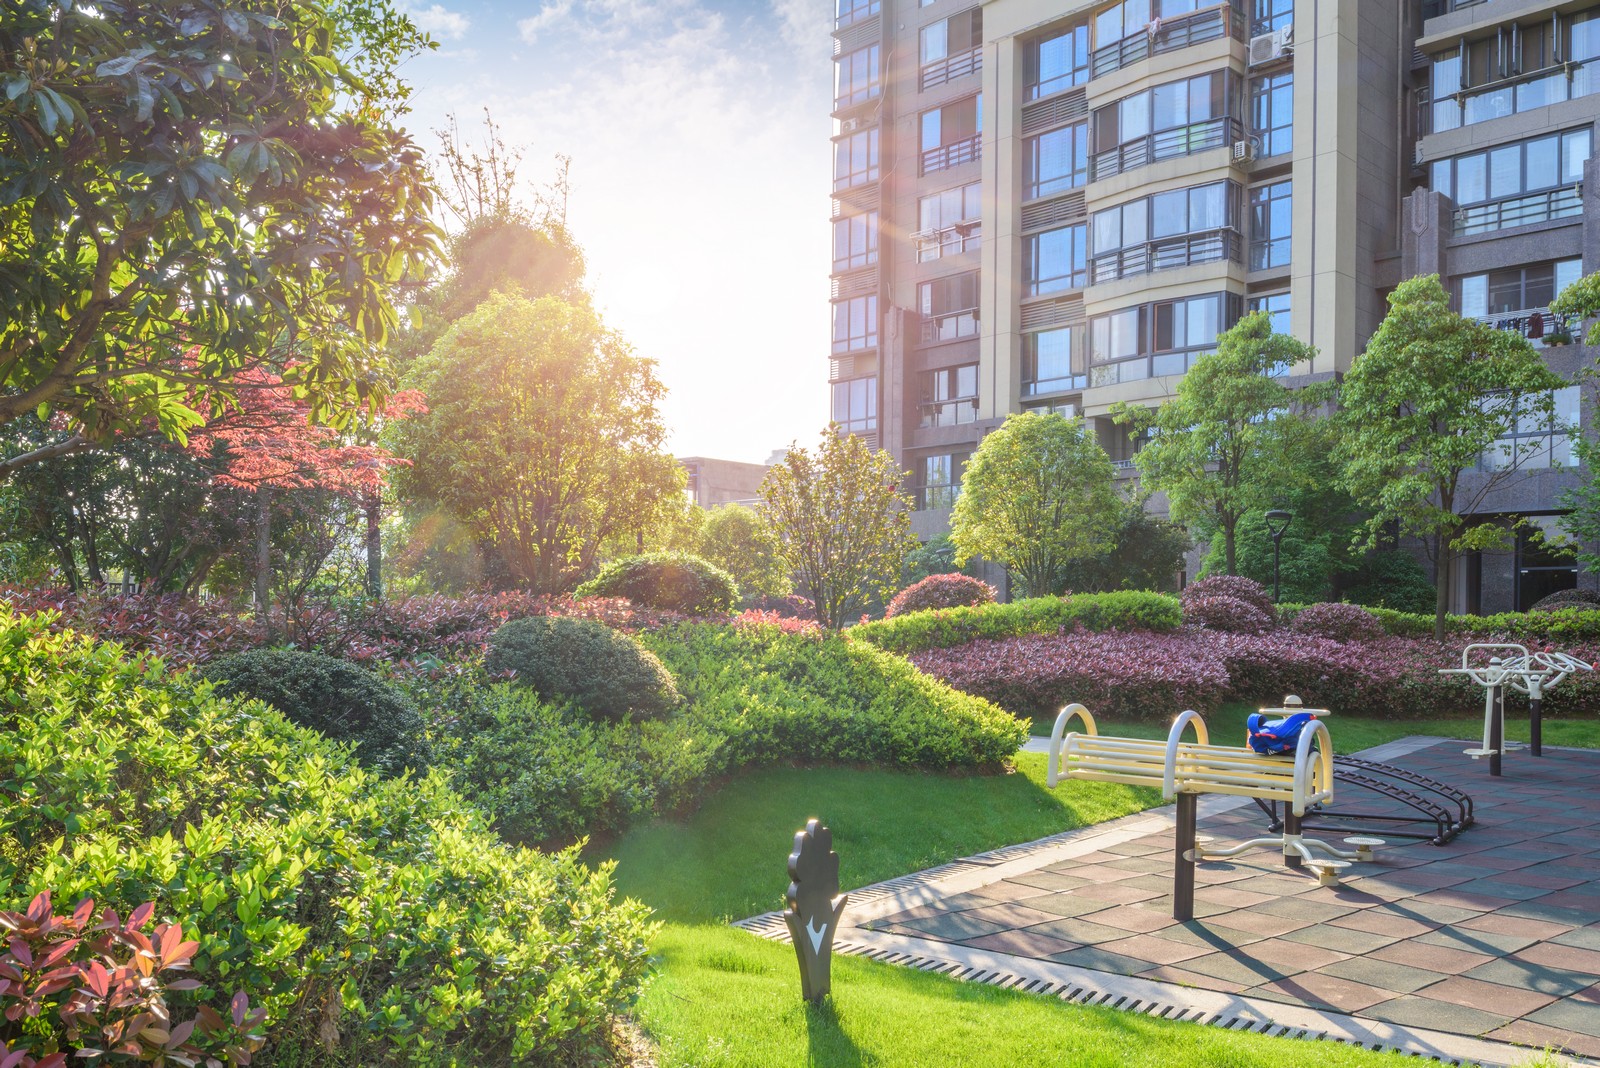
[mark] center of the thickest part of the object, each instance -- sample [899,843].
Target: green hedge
[1567,626]
[676,582]
[378,921]
[945,628]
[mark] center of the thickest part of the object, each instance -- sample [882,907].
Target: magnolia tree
[1038,493]
[1426,421]
[194,193]
[841,522]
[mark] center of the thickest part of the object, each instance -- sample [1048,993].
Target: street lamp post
[1277,522]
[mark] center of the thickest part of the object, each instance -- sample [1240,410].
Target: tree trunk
[264,557]
[1442,575]
[1231,560]
[374,505]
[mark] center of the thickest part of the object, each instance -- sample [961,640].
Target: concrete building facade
[1057,204]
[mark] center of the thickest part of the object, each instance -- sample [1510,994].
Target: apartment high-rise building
[1049,204]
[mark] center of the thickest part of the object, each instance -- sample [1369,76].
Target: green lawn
[726,998]
[1353,733]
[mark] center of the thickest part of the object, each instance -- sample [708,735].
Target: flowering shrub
[947,627]
[940,591]
[99,988]
[1341,622]
[1221,612]
[1248,590]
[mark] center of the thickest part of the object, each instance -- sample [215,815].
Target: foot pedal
[1328,870]
[1476,753]
[1364,845]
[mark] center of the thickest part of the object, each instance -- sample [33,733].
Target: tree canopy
[1223,444]
[189,192]
[841,521]
[735,539]
[1434,396]
[542,436]
[1038,493]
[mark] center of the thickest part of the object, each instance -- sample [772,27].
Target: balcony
[1168,35]
[952,67]
[851,13]
[948,241]
[1432,9]
[967,150]
[950,326]
[1509,96]
[1534,323]
[1167,144]
[955,412]
[1045,386]
[1562,203]
[1140,368]
[1166,253]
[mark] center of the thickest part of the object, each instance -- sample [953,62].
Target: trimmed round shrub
[1221,612]
[677,582]
[604,672]
[339,700]
[1341,622]
[1562,600]
[793,606]
[941,591]
[1236,586]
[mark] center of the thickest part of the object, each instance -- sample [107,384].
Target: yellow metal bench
[1183,770]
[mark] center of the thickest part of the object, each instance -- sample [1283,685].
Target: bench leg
[1183,859]
[1291,828]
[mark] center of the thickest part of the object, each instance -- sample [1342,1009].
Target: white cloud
[550,15]
[436,19]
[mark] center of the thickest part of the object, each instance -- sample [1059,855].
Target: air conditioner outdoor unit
[1244,151]
[1270,46]
[849,125]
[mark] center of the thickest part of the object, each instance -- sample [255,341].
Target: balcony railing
[1044,386]
[1168,35]
[1187,250]
[951,326]
[1139,368]
[1432,9]
[948,241]
[1534,322]
[952,67]
[955,412]
[1509,96]
[1562,203]
[1167,144]
[861,95]
[952,155]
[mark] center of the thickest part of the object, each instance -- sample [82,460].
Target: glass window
[959,33]
[852,10]
[1057,260]
[1156,340]
[855,241]
[855,159]
[1121,20]
[1513,290]
[950,134]
[1270,222]
[856,77]
[855,405]
[1272,112]
[935,42]
[1512,170]
[1057,62]
[1058,160]
[1047,362]
[1175,106]
[1270,15]
[1532,440]
[941,479]
[1120,233]
[948,222]
[950,396]
[1277,306]
[949,307]
[855,324]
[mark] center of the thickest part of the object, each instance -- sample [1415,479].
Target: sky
[698,133]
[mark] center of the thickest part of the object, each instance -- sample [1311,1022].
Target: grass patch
[1351,734]
[727,861]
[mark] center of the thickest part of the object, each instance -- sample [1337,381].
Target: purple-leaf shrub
[941,591]
[1221,612]
[1247,590]
[1341,622]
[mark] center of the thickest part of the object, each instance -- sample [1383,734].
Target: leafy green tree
[842,524]
[1038,493]
[1432,396]
[1581,300]
[190,190]
[1146,554]
[735,539]
[542,436]
[1217,449]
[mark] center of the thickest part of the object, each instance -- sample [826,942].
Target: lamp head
[1277,521]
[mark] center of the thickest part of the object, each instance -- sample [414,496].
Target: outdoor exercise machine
[1509,664]
[1183,770]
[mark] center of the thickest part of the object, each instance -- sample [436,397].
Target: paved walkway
[1495,935]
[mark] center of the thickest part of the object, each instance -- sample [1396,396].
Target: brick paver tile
[1544,876]
[1011,914]
[1577,1016]
[1571,899]
[949,927]
[1384,922]
[1428,878]
[1322,991]
[1590,995]
[1094,873]
[1582,937]
[1460,899]
[1304,908]
[1447,915]
[1433,958]
[1501,923]
[1567,958]
[1212,935]
[1135,919]
[1155,949]
[1513,971]
[1489,997]
[1384,975]
[1340,939]
[1006,890]
[1540,1036]
[1066,904]
[1291,957]
[1024,943]
[1172,973]
[1486,942]
[1082,932]
[1114,893]
[1232,896]
[1414,1010]
[1100,959]
[1235,968]
[1048,880]
[1498,888]
[1537,909]
[1139,847]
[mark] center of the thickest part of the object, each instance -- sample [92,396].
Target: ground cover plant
[377,921]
